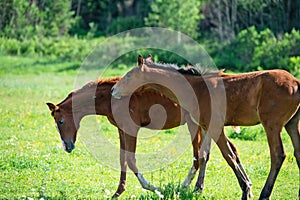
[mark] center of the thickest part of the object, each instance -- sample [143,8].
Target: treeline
[241,35]
[217,18]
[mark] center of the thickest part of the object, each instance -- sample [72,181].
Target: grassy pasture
[33,164]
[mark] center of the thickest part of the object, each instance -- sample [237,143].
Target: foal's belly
[160,120]
[176,121]
[242,117]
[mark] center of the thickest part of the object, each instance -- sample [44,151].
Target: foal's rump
[280,96]
[256,97]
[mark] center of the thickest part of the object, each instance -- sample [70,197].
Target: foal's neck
[87,102]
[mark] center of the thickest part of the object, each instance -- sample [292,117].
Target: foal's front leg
[201,157]
[204,157]
[229,155]
[123,164]
[195,133]
[201,149]
[130,148]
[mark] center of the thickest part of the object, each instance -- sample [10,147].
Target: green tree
[225,18]
[178,15]
[108,16]
[220,18]
[56,17]
[18,18]
[24,18]
[252,50]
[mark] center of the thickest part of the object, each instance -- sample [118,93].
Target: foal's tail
[298,91]
[297,114]
[299,87]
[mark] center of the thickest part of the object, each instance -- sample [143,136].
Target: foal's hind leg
[277,158]
[204,157]
[230,157]
[293,129]
[240,164]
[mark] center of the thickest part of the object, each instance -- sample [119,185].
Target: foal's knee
[279,160]
[131,163]
[204,159]
[297,156]
[234,150]
[196,163]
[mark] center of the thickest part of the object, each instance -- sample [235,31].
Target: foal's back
[256,97]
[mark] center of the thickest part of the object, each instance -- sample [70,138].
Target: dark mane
[196,70]
[165,66]
[190,70]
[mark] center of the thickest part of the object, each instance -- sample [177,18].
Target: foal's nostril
[112,90]
[69,147]
[69,150]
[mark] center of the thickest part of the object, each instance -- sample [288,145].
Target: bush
[9,46]
[276,53]
[252,50]
[294,65]
[74,49]
[248,133]
[65,48]
[238,54]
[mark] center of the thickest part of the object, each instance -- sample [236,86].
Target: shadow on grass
[72,67]
[62,65]
[36,65]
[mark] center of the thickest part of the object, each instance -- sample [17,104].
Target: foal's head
[92,98]
[132,79]
[65,125]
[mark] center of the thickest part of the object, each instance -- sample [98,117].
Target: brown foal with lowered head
[95,98]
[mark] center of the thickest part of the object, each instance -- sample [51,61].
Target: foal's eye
[129,75]
[61,121]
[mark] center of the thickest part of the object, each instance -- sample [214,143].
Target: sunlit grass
[33,164]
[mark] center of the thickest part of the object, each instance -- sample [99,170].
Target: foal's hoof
[120,190]
[249,192]
[151,187]
[198,191]
[245,196]
[154,188]
[115,196]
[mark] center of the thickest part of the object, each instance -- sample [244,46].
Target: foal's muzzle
[68,146]
[114,93]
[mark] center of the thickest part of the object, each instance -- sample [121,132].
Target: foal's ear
[52,107]
[140,60]
[149,58]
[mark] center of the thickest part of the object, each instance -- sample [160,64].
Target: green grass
[34,165]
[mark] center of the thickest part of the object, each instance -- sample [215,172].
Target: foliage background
[239,35]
